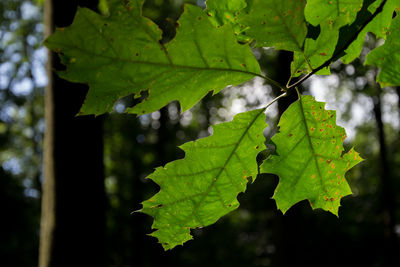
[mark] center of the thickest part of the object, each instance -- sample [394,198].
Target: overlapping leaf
[309,157]
[387,57]
[197,190]
[121,54]
[275,23]
[330,16]
[316,52]
[378,26]
[223,12]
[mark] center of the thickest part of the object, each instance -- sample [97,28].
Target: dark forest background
[100,164]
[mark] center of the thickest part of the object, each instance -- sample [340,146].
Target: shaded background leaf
[387,57]
[274,23]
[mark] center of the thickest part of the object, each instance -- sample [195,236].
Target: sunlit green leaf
[309,157]
[197,190]
[121,54]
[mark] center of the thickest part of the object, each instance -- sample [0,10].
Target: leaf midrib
[206,193]
[159,63]
[309,141]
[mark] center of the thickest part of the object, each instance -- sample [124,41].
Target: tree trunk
[73,203]
[283,75]
[388,202]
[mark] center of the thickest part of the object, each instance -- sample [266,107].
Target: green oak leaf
[121,54]
[275,23]
[378,26]
[387,57]
[330,16]
[199,189]
[309,157]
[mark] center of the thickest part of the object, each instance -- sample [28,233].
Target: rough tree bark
[73,203]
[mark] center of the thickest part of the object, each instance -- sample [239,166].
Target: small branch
[302,79]
[275,99]
[273,82]
[337,53]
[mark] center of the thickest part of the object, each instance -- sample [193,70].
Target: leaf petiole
[275,99]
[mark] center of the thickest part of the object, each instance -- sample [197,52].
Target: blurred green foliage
[22,81]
